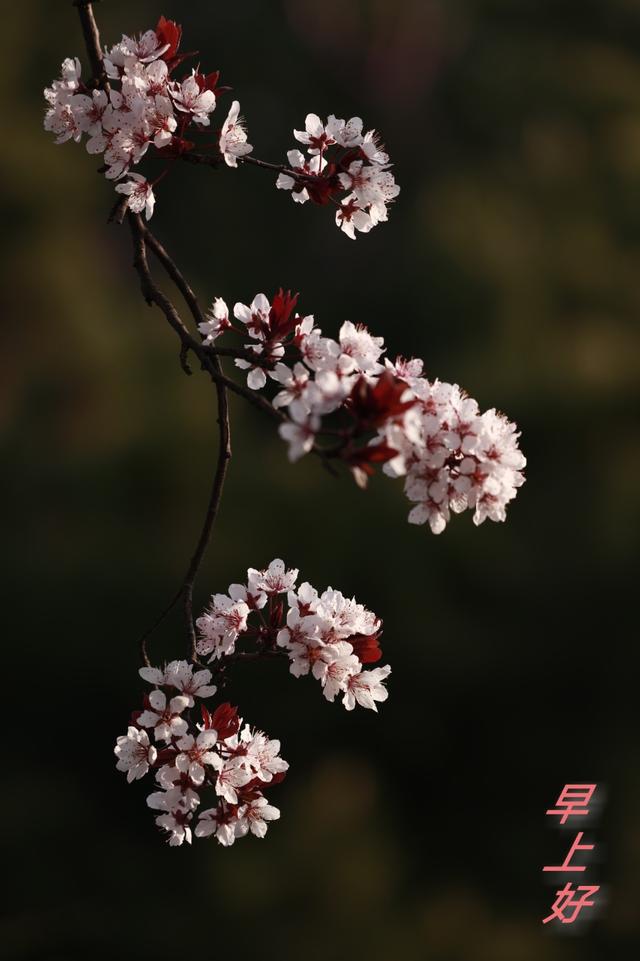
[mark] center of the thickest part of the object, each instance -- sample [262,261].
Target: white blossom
[232,775]
[225,824]
[341,158]
[135,754]
[298,394]
[164,717]
[190,683]
[275,579]
[366,688]
[300,436]
[257,814]
[315,134]
[177,826]
[350,217]
[196,753]
[233,137]
[189,98]
[217,321]
[364,349]
[262,758]
[140,194]
[220,626]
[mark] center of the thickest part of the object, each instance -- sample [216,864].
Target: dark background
[511,263]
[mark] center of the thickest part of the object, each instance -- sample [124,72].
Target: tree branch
[216,160]
[92,42]
[153,295]
[209,358]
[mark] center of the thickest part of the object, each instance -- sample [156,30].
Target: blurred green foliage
[511,263]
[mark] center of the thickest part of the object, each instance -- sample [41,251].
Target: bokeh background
[511,263]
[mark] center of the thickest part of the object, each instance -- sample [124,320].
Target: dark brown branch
[153,295]
[142,643]
[215,161]
[92,42]
[174,273]
[224,448]
[150,291]
[224,452]
[209,160]
[224,456]
[209,358]
[277,168]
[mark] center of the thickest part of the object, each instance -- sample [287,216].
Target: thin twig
[153,295]
[224,456]
[224,449]
[215,161]
[150,290]
[142,643]
[174,273]
[209,358]
[92,42]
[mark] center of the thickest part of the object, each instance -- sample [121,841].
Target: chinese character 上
[576,846]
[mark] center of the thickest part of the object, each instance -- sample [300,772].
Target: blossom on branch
[192,97]
[338,397]
[233,137]
[202,754]
[217,321]
[140,194]
[216,757]
[344,165]
[148,115]
[321,634]
[389,415]
[135,753]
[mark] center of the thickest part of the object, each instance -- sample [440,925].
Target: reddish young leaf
[209,81]
[282,319]
[375,404]
[206,718]
[323,187]
[168,31]
[225,720]
[366,647]
[365,457]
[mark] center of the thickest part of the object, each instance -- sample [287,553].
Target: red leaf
[180,58]
[282,319]
[206,718]
[364,457]
[225,720]
[277,778]
[323,187]
[375,404]
[209,81]
[366,647]
[168,31]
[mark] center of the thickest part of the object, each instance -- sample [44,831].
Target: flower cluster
[196,754]
[452,455]
[345,166]
[327,635]
[215,760]
[149,112]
